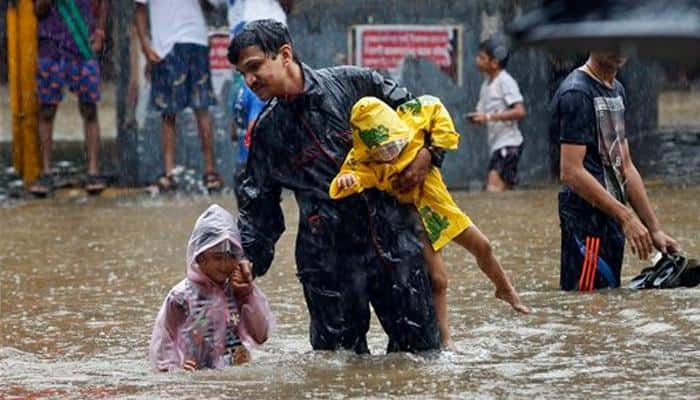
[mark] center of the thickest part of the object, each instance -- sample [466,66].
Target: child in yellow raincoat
[387,141]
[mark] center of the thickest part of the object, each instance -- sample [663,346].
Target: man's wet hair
[496,48]
[267,34]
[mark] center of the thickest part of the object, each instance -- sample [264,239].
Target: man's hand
[478,118]
[638,236]
[663,242]
[150,54]
[242,278]
[346,181]
[414,174]
[97,40]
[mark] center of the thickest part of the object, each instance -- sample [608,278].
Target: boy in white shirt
[500,106]
[177,51]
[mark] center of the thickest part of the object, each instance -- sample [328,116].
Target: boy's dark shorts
[182,79]
[593,244]
[505,162]
[81,76]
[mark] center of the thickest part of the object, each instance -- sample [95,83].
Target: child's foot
[511,297]
[448,345]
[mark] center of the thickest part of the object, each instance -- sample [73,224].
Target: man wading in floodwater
[349,253]
[589,124]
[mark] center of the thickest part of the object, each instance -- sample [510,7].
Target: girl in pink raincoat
[210,318]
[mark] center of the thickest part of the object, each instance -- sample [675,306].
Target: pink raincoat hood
[214,226]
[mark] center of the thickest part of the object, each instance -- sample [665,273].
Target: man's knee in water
[331,326]
[88,111]
[47,112]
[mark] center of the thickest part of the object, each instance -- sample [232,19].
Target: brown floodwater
[82,280]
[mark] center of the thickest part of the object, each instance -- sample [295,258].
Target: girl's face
[217,265]
[388,152]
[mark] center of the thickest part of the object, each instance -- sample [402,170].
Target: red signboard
[385,47]
[218,51]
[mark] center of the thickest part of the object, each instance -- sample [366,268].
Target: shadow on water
[82,280]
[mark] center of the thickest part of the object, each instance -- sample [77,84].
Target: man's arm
[103,9]
[513,113]
[640,203]
[98,36]
[141,20]
[261,220]
[261,223]
[575,176]
[372,83]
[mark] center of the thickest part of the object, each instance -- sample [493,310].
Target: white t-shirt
[241,12]
[176,21]
[495,97]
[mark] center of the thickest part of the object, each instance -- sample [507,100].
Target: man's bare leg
[47,115]
[494,182]
[206,135]
[168,142]
[91,127]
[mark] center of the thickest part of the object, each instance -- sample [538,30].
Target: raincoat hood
[214,226]
[378,133]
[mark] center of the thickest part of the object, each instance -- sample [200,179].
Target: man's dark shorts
[592,247]
[81,76]
[505,162]
[182,79]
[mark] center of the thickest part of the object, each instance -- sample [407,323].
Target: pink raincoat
[201,320]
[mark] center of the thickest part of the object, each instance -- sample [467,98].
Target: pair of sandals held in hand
[669,271]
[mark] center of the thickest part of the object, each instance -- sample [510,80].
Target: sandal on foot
[95,184]
[165,183]
[212,181]
[43,186]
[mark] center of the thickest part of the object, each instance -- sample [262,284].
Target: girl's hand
[242,279]
[346,181]
[97,40]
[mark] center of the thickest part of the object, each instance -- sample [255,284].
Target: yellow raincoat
[387,141]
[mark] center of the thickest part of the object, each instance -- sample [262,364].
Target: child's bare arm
[363,177]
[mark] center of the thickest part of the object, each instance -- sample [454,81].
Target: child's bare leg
[438,278]
[476,243]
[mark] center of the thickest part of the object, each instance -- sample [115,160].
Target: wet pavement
[82,279]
